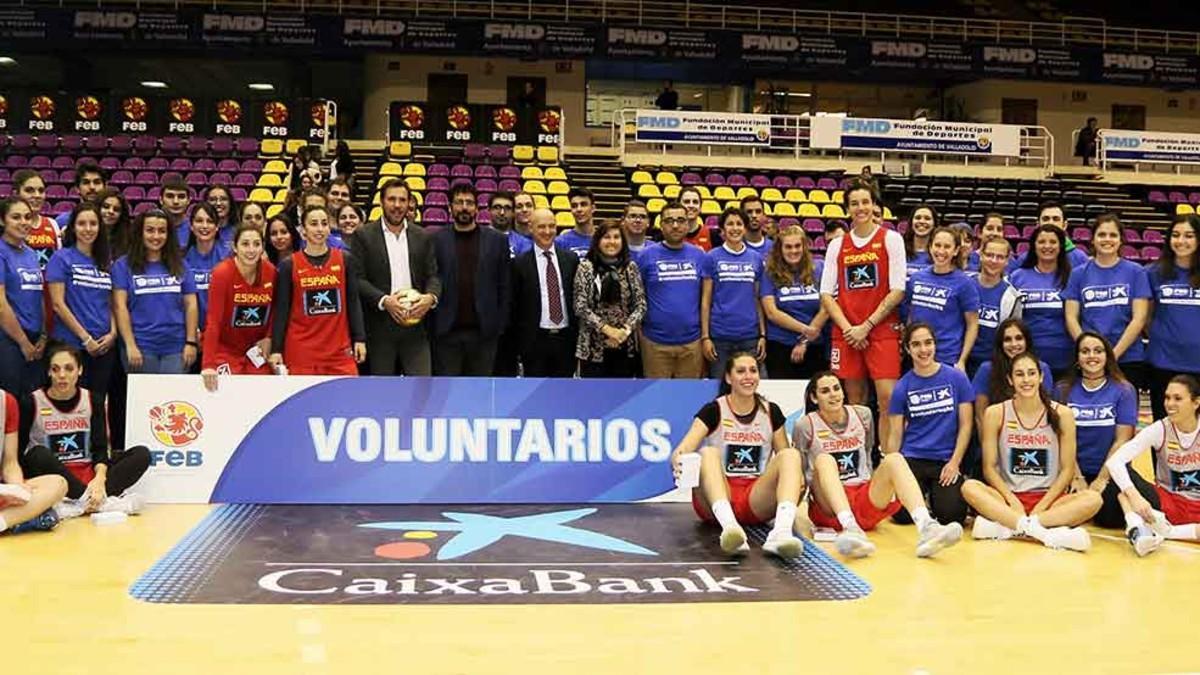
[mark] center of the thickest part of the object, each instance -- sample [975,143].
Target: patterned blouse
[593,315]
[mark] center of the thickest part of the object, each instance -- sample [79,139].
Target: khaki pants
[684,361]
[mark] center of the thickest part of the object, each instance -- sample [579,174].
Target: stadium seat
[759,181]
[1152,237]
[672,191]
[461,171]
[558,187]
[783,209]
[1184,209]
[808,210]
[500,154]
[560,203]
[724,193]
[414,169]
[522,154]
[666,178]
[271,147]
[481,171]
[795,196]
[400,150]
[270,180]
[1157,197]
[703,190]
[737,180]
[535,187]
[547,154]
[819,196]
[771,195]
[391,169]
[281,196]
[553,173]
[746,193]
[834,211]
[474,153]
[415,183]
[691,178]
[531,173]
[733,204]
[710,207]
[481,184]
[273,209]
[648,191]
[376,213]
[564,219]
[540,202]
[641,178]
[294,145]
[655,205]
[887,214]
[262,195]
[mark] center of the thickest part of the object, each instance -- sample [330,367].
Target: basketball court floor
[981,607]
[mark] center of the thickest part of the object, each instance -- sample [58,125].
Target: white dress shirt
[397,251]
[539,255]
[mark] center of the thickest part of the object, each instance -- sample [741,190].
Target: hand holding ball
[408,299]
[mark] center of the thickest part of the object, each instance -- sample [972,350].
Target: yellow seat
[648,191]
[540,202]
[535,187]
[399,150]
[558,187]
[391,169]
[271,147]
[547,154]
[275,166]
[838,197]
[416,196]
[522,154]
[415,183]
[655,205]
[383,180]
[414,169]
[532,173]
[783,210]
[704,191]
[641,178]
[273,210]
[733,205]
[833,211]
[672,191]
[887,214]
[281,196]
[554,173]
[807,210]
[795,196]
[564,219]
[375,200]
[771,195]
[710,208]
[262,196]
[376,213]
[746,193]
[270,180]
[560,203]
[294,145]
[666,178]
[724,193]
[819,196]
[1184,210]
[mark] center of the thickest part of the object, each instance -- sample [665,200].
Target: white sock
[847,521]
[1133,521]
[921,518]
[1184,532]
[785,516]
[3,524]
[723,512]
[1031,526]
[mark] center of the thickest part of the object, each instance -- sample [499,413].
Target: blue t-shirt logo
[1102,296]
[31,279]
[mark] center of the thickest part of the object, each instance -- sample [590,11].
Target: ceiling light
[154,84]
[7,61]
[262,86]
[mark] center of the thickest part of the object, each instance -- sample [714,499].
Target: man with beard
[759,227]
[90,182]
[473,264]
[671,277]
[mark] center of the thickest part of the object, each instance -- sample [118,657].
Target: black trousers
[464,353]
[125,470]
[617,364]
[780,366]
[946,504]
[507,355]
[1110,513]
[400,351]
[100,379]
[1138,374]
[552,354]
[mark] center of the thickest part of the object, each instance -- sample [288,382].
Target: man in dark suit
[473,263]
[543,302]
[398,284]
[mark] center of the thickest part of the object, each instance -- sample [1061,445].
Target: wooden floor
[982,607]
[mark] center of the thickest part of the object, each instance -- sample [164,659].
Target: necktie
[552,289]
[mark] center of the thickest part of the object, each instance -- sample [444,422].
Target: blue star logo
[250,313]
[1029,458]
[743,456]
[860,274]
[68,443]
[477,531]
[323,298]
[1190,479]
[846,462]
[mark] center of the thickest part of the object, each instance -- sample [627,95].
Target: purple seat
[244,146]
[157,164]
[1156,197]
[63,162]
[226,165]
[437,199]
[737,180]
[485,185]
[814,225]
[154,193]
[171,145]
[5,190]
[819,243]
[1151,253]
[1081,234]
[22,143]
[46,142]
[245,180]
[66,176]
[691,178]
[760,181]
[437,183]
[805,183]
[142,208]
[482,199]
[461,171]
[436,216]
[39,162]
[827,184]
[121,144]
[145,144]
[1130,253]
[474,152]
[56,192]
[16,161]
[1194,198]
[1177,198]
[134,164]
[714,179]
[5,176]
[238,193]
[712,222]
[499,153]
[172,175]
[485,171]
[134,193]
[845,182]
[223,147]
[1132,236]
[194,146]
[72,143]
[483,217]
[49,176]
[1152,237]
[181,164]
[74,192]
[96,144]
[510,185]
[110,163]
[782,183]
[146,178]
[510,171]
[438,170]
[196,179]
[252,165]
[788,222]
[1027,231]
[460,181]
[220,178]
[121,177]
[62,207]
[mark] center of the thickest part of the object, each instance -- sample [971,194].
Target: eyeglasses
[636,216]
[674,221]
[501,207]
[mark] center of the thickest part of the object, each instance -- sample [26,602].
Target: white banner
[1119,145]
[706,128]
[911,136]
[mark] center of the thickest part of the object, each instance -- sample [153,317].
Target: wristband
[191,343]
[705,337]
[762,337]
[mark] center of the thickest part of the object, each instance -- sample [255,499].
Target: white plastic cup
[689,471]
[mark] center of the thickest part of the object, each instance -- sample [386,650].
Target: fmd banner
[878,135]
[1118,145]
[316,440]
[681,126]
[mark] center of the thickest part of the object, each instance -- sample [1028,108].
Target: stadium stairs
[605,177]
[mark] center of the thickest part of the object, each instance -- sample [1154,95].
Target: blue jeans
[155,364]
[18,376]
[727,348]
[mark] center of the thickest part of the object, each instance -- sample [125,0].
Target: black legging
[125,469]
[1110,514]
[946,504]
[617,364]
[780,366]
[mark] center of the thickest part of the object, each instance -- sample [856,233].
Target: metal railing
[676,13]
[789,138]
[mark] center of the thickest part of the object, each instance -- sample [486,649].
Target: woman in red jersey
[237,332]
[318,323]
[861,286]
[43,236]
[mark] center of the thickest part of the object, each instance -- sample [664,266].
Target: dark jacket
[375,275]
[492,279]
[527,293]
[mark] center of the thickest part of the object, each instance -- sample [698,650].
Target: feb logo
[549,121]
[229,111]
[458,117]
[412,116]
[276,113]
[182,109]
[87,107]
[504,119]
[135,109]
[3,106]
[176,423]
[316,112]
[42,107]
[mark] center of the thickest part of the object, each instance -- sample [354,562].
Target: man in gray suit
[398,284]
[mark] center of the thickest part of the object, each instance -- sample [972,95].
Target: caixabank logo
[510,554]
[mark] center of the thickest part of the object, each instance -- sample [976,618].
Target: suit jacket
[374,271]
[527,293]
[492,279]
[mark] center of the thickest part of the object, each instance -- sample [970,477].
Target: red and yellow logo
[458,117]
[42,107]
[229,111]
[317,113]
[176,423]
[87,107]
[276,113]
[182,109]
[549,121]
[412,116]
[135,108]
[504,119]
[3,106]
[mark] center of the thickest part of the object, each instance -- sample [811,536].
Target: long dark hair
[1062,269]
[911,330]
[211,212]
[119,234]
[998,387]
[604,228]
[172,257]
[1112,369]
[724,389]
[810,392]
[272,253]
[101,255]
[233,204]
[607,290]
[1051,413]
[1190,382]
[6,205]
[910,236]
[1167,265]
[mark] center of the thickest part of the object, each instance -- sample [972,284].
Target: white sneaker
[1160,525]
[13,495]
[70,508]
[1069,538]
[853,543]
[129,503]
[1144,540]
[990,529]
[936,537]
[783,544]
[733,540]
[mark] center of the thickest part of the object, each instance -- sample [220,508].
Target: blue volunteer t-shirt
[1175,324]
[23,287]
[335,240]
[1097,414]
[983,379]
[919,261]
[1075,258]
[973,263]
[930,408]
[800,301]
[1105,296]
[87,291]
[672,281]
[518,243]
[202,266]
[155,303]
[1044,315]
[575,242]
[989,317]
[941,300]
[734,310]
